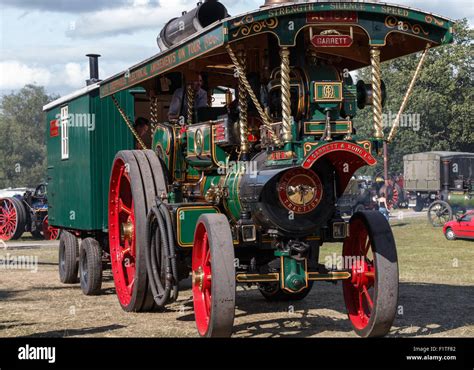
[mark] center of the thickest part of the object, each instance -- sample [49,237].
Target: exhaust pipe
[445,184]
[93,69]
[177,29]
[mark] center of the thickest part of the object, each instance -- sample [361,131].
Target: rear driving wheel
[213,282]
[134,187]
[371,294]
[12,219]
[126,199]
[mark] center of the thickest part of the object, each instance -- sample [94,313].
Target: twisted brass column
[250,92]
[243,107]
[190,103]
[154,112]
[377,92]
[286,94]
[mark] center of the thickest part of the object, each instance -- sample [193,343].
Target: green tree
[22,137]
[443,98]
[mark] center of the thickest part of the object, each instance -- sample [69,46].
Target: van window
[64,133]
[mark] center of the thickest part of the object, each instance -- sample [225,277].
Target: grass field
[436,298]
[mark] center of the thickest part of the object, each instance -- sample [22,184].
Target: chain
[250,92]
[129,124]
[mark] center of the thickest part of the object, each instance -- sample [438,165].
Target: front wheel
[450,234]
[371,294]
[439,213]
[213,281]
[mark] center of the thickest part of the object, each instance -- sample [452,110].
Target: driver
[178,102]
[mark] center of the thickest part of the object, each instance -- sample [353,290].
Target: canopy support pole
[243,108]
[396,121]
[190,103]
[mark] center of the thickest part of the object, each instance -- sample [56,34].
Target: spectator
[383,208]
[143,129]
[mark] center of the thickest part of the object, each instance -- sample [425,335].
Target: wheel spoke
[361,305]
[207,302]
[124,208]
[130,286]
[207,258]
[204,249]
[367,247]
[367,297]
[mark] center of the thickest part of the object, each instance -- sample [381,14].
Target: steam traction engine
[246,192]
[27,213]
[442,181]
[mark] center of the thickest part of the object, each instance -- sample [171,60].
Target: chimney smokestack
[93,68]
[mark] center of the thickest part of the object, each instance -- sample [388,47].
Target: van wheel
[90,266]
[68,258]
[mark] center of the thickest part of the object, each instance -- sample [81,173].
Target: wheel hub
[198,277]
[126,230]
[361,274]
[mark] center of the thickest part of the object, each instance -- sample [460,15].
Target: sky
[44,42]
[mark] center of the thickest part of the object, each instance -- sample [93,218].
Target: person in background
[143,129]
[383,208]
[178,102]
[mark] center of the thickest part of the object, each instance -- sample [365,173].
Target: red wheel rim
[122,232]
[8,219]
[202,272]
[359,290]
[49,232]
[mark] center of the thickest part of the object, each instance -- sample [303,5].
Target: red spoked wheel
[213,279]
[133,190]
[395,198]
[12,219]
[50,232]
[371,294]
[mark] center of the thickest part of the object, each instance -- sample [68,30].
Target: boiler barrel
[191,22]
